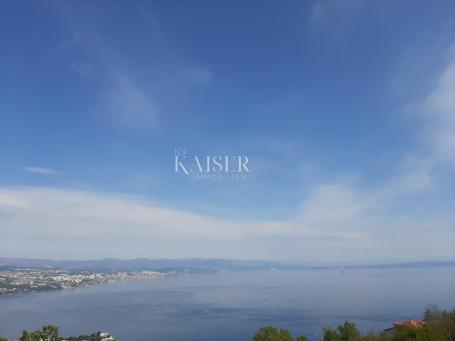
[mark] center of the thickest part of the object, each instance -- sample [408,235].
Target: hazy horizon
[277,261]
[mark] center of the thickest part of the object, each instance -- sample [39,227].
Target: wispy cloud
[439,114]
[436,117]
[40,170]
[336,17]
[131,107]
[336,222]
[196,75]
[129,95]
[84,70]
[63,217]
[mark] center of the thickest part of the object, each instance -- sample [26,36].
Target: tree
[49,333]
[348,331]
[331,334]
[270,333]
[302,338]
[26,336]
[432,313]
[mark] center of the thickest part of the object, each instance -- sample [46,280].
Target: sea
[230,306]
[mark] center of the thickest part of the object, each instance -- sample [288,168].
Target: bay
[226,306]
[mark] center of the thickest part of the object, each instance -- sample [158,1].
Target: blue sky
[345,110]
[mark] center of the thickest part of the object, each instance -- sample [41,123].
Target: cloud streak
[334,17]
[439,113]
[40,170]
[129,95]
[334,223]
[130,106]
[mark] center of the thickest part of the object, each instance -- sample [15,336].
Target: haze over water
[232,305]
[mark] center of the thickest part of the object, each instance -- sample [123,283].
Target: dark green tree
[26,336]
[301,338]
[348,331]
[269,333]
[432,313]
[331,334]
[49,333]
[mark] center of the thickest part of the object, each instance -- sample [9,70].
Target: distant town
[26,280]
[19,275]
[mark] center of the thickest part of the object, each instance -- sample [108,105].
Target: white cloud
[337,223]
[130,95]
[439,111]
[40,170]
[436,114]
[334,204]
[130,106]
[128,226]
[334,16]
[196,76]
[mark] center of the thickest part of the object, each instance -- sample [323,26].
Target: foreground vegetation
[439,326]
[51,333]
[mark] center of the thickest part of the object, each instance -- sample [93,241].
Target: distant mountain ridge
[193,264]
[138,264]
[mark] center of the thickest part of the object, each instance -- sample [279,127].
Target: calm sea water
[232,305]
